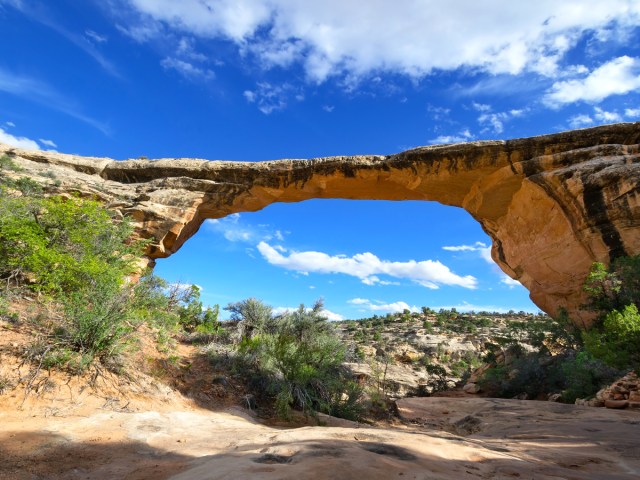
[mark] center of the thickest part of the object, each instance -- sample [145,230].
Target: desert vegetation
[74,260]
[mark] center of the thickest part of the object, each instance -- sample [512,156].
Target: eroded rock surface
[551,204]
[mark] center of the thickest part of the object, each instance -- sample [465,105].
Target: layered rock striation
[552,204]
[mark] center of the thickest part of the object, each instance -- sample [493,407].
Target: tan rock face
[552,204]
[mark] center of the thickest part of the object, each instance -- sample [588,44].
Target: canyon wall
[552,204]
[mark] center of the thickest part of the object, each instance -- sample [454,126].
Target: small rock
[616,403]
[471,388]
[634,396]
[634,404]
[554,397]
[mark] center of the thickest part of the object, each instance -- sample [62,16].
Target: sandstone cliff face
[551,204]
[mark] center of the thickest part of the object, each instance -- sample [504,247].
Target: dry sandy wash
[439,438]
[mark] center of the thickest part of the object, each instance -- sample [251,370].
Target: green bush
[617,340]
[63,245]
[584,376]
[297,358]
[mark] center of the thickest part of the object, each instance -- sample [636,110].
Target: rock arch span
[551,204]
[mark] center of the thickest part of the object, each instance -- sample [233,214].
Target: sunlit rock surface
[552,204]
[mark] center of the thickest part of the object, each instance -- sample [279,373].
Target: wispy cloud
[96,37]
[42,93]
[272,98]
[187,69]
[48,143]
[365,266]
[482,248]
[39,12]
[234,229]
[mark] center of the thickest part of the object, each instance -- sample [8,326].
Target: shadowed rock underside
[552,204]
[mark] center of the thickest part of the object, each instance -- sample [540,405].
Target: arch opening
[361,256]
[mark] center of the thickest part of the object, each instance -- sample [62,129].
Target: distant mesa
[552,204]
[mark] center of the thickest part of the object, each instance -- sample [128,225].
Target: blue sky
[266,79]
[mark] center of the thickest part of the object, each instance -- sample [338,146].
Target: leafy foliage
[296,358]
[63,245]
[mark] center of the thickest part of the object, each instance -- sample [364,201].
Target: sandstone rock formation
[551,204]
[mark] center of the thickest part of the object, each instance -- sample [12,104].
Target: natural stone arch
[552,204]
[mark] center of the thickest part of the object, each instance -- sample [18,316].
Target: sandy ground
[171,417]
[440,438]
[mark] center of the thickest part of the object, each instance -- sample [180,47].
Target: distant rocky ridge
[552,204]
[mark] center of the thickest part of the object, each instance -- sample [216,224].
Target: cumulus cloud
[632,112]
[19,142]
[606,117]
[510,282]
[580,120]
[366,267]
[331,316]
[615,77]
[377,306]
[412,38]
[460,137]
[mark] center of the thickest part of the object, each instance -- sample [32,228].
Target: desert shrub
[614,293]
[64,245]
[615,287]
[584,375]
[297,359]
[437,377]
[7,163]
[252,315]
[616,341]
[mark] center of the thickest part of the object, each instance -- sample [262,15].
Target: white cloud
[48,143]
[358,301]
[615,77]
[629,112]
[272,98]
[463,136]
[510,282]
[10,124]
[607,117]
[366,267]
[19,142]
[395,307]
[38,12]
[234,229]
[179,286]
[581,120]
[42,93]
[467,307]
[496,120]
[328,108]
[481,247]
[481,107]
[187,69]
[331,316]
[96,37]
[412,38]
